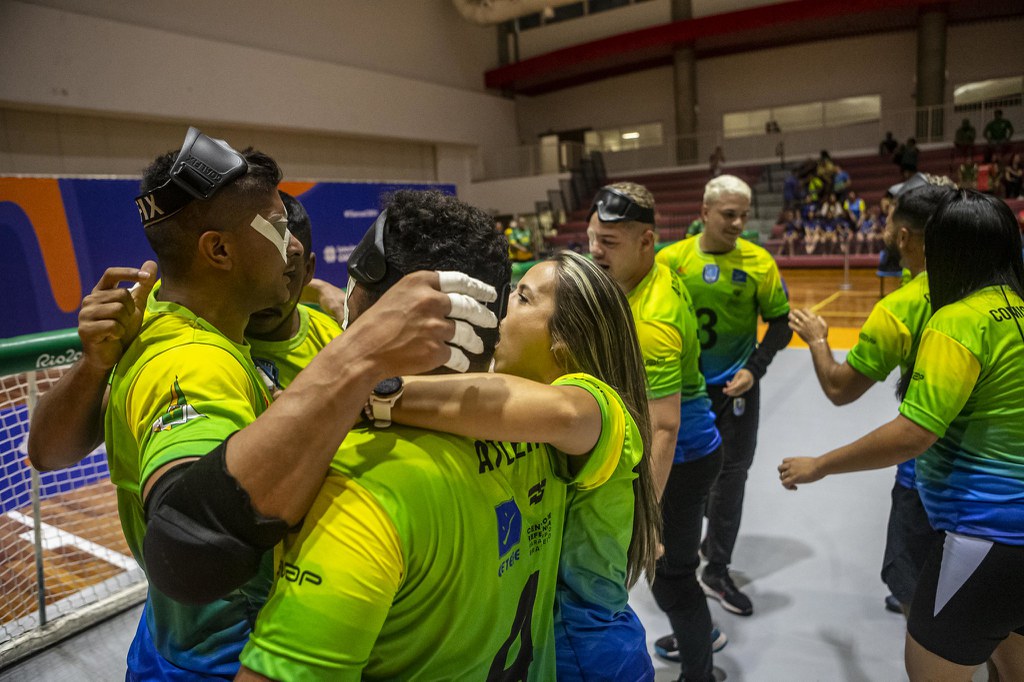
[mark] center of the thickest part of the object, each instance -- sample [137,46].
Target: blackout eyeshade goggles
[612,206]
[203,166]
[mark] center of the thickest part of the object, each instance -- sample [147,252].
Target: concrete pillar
[931,72]
[684,65]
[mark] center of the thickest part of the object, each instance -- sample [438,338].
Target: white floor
[810,560]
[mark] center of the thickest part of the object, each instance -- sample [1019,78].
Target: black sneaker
[668,648]
[721,587]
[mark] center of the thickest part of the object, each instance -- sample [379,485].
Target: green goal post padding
[39,351]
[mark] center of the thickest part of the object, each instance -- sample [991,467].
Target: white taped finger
[457,360]
[466,338]
[461,283]
[465,308]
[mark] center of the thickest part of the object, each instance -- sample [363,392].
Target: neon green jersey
[667,331]
[428,556]
[282,360]
[181,388]
[599,519]
[729,291]
[890,336]
[967,389]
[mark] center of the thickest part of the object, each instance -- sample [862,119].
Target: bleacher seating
[678,195]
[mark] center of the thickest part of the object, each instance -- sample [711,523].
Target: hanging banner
[58,235]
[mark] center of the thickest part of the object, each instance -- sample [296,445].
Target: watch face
[388,387]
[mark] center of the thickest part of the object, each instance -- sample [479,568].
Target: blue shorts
[592,644]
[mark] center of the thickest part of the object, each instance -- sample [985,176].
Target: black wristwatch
[383,398]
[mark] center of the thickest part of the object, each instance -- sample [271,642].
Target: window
[999,92]
[625,137]
[807,116]
[569,11]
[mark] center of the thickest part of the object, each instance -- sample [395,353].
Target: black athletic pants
[737,420]
[675,584]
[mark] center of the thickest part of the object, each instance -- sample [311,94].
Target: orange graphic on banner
[41,201]
[296,188]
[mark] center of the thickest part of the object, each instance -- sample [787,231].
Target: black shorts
[908,542]
[980,590]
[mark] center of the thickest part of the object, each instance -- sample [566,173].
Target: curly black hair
[430,230]
[173,240]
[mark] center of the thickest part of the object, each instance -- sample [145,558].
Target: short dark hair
[298,222]
[430,230]
[173,240]
[972,241]
[916,206]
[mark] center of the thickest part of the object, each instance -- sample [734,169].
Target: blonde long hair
[594,324]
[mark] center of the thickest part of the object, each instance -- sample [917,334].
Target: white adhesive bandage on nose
[278,234]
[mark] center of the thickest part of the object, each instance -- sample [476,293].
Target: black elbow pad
[203,537]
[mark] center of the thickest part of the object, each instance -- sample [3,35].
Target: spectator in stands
[814,229]
[715,162]
[833,220]
[906,158]
[793,230]
[984,181]
[520,242]
[963,140]
[856,209]
[869,231]
[887,147]
[792,190]
[1012,176]
[998,132]
[826,170]
[841,181]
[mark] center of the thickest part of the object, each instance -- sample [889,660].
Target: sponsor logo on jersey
[539,533]
[711,273]
[1009,312]
[296,574]
[510,532]
[537,492]
[739,276]
[178,412]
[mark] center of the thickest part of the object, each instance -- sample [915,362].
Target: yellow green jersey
[967,388]
[729,291]
[666,328]
[889,339]
[426,556]
[180,390]
[282,360]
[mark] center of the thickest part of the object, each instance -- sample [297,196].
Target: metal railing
[935,124]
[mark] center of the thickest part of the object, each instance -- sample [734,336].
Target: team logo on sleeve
[711,272]
[178,412]
[739,276]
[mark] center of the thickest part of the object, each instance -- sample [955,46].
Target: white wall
[513,195]
[884,64]
[424,40]
[641,97]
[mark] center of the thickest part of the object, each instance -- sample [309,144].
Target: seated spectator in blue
[869,231]
[856,209]
[841,182]
[792,191]
[814,230]
[831,220]
[793,231]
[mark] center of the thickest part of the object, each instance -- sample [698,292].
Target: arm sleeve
[620,438]
[187,401]
[776,337]
[662,347]
[335,584]
[884,341]
[944,376]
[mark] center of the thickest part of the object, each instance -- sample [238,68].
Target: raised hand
[111,316]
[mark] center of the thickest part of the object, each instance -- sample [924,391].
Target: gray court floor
[810,560]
